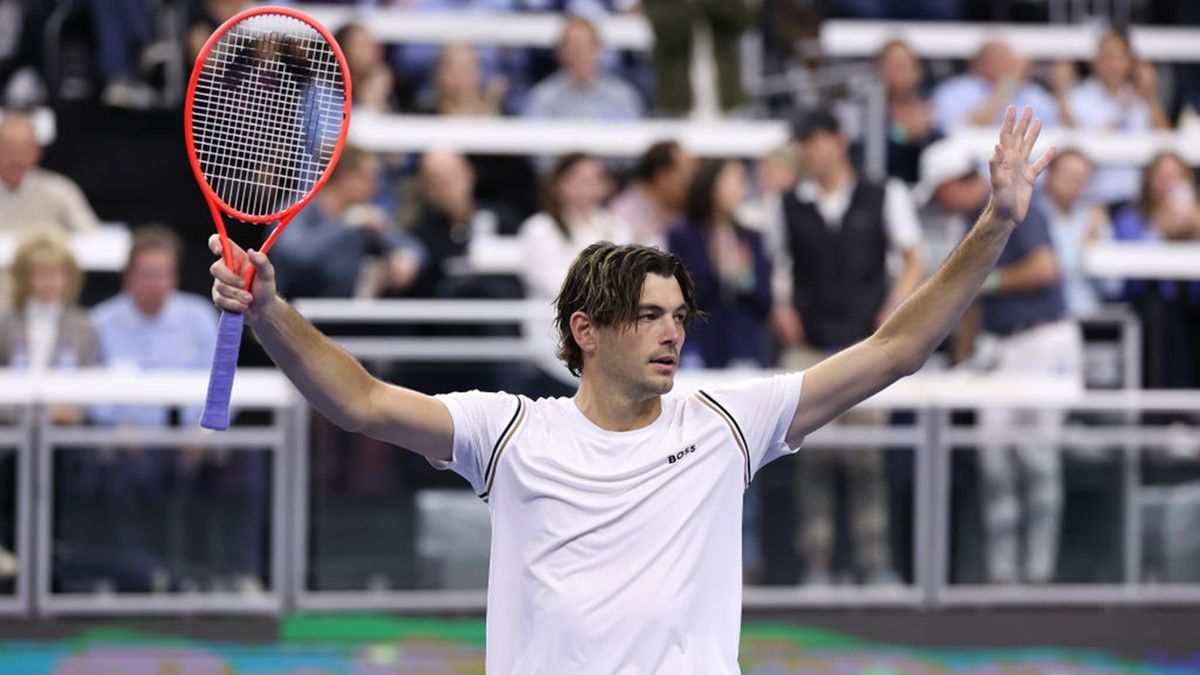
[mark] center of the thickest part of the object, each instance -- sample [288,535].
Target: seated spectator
[414,62]
[579,89]
[121,30]
[32,196]
[730,269]
[449,218]
[374,87]
[910,126]
[45,329]
[684,65]
[1167,208]
[458,88]
[151,325]
[327,249]
[572,217]
[1120,96]
[1166,211]
[997,78]
[1075,222]
[653,202]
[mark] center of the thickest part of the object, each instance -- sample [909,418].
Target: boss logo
[671,459]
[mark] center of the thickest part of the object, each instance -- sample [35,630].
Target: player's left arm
[903,343]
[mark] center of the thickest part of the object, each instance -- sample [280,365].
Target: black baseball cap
[809,122]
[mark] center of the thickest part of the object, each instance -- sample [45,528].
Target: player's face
[643,357]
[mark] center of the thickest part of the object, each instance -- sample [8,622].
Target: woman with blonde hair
[45,328]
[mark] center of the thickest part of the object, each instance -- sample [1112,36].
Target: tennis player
[616,513]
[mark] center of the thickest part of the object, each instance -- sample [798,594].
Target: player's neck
[612,410]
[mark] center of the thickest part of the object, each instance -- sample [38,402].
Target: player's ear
[583,329]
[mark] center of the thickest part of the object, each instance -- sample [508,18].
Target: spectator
[1120,96]
[1026,331]
[121,29]
[677,51]
[414,63]
[329,245]
[910,126]
[997,79]
[572,217]
[654,201]
[458,88]
[374,87]
[151,325]
[730,269]
[449,220]
[1075,222]
[32,197]
[1165,212]
[833,290]
[579,89]
[45,329]
[833,194]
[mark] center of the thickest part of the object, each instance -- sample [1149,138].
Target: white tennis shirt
[617,552]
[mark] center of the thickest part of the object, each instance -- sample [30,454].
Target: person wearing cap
[835,237]
[1019,326]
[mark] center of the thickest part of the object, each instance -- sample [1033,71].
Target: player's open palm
[1012,174]
[229,291]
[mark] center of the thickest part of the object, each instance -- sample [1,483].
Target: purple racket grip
[220,378]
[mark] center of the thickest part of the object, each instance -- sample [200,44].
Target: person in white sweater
[573,216]
[32,197]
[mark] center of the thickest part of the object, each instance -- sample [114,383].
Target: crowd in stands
[795,255]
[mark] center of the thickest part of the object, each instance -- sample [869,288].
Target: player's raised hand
[229,286]
[1012,174]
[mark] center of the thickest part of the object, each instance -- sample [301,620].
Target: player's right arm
[332,380]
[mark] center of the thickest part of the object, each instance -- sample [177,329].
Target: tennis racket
[266,114]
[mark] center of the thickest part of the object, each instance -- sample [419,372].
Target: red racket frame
[216,205]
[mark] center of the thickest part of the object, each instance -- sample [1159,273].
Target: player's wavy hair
[605,282]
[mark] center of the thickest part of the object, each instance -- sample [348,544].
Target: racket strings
[267,113]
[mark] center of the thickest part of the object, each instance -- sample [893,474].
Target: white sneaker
[248,585]
[8,564]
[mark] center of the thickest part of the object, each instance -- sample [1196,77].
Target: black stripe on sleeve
[736,427]
[512,420]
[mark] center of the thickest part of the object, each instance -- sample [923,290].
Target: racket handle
[220,378]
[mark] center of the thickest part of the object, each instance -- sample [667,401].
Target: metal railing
[931,437]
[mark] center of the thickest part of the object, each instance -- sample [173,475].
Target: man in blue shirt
[1025,330]
[997,79]
[580,88]
[151,325]
[343,244]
